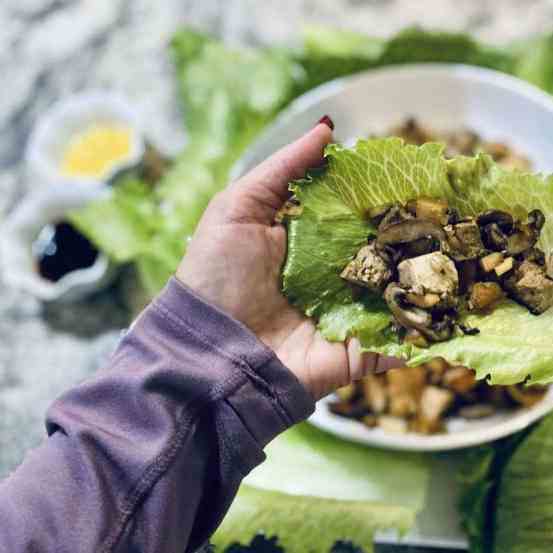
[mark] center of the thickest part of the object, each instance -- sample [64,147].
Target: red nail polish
[326,120]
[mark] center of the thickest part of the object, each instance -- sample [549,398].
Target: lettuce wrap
[513,345]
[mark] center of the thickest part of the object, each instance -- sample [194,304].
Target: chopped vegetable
[421,398]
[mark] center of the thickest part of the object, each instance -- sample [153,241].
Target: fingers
[268,182]
[362,363]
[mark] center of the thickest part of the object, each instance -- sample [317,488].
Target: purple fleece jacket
[147,456]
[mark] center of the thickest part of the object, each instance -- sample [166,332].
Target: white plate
[493,104]
[460,432]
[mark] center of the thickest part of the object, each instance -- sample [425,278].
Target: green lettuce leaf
[533,61]
[524,514]
[123,223]
[512,345]
[314,489]
[477,484]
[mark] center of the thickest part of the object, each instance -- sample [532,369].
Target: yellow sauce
[94,151]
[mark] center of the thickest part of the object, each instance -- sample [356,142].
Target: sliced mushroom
[536,219]
[523,239]
[468,271]
[494,238]
[407,316]
[409,231]
[377,213]
[394,216]
[415,317]
[500,218]
[418,247]
[527,395]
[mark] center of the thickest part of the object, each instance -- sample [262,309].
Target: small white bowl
[22,228]
[70,116]
[443,96]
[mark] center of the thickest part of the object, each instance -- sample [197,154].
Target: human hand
[235,259]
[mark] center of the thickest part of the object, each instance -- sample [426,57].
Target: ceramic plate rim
[352,430]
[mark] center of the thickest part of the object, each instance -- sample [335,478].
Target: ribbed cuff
[272,398]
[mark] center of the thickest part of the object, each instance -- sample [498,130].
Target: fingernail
[326,120]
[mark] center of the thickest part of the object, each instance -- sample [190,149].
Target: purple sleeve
[148,455]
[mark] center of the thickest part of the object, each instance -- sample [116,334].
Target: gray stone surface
[50,48]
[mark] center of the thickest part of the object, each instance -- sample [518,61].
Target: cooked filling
[430,265]
[421,399]
[460,142]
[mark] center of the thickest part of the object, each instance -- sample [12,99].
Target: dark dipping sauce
[61,249]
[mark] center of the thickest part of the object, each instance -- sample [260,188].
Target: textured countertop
[50,48]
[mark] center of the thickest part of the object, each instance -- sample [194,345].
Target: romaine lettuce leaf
[314,489]
[478,481]
[512,345]
[524,512]
[123,223]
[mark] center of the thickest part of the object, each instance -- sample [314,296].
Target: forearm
[149,454]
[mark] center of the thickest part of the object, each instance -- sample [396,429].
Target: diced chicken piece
[368,269]
[504,267]
[459,379]
[430,209]
[491,261]
[485,295]
[374,392]
[435,402]
[406,381]
[432,273]
[530,286]
[464,240]
[395,425]
[403,406]
[436,369]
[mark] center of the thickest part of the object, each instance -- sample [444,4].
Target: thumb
[266,186]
